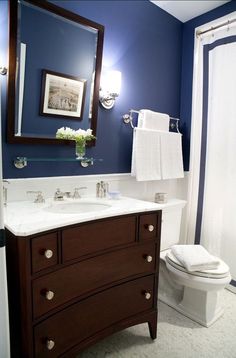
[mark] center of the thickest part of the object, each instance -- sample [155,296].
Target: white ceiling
[186,10]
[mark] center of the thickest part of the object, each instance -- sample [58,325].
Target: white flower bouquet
[80,135]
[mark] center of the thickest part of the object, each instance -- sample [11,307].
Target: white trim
[92,177]
[231,288]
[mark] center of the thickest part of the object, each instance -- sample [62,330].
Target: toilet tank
[171,221]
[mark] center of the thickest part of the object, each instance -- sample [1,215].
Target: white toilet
[195,294]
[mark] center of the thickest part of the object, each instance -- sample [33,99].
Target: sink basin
[76,207]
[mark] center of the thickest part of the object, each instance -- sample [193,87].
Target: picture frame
[62,95]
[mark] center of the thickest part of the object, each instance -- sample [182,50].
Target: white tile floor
[178,337]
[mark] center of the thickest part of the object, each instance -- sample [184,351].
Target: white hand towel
[194,257]
[171,155]
[153,120]
[146,155]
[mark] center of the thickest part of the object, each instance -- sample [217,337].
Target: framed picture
[62,95]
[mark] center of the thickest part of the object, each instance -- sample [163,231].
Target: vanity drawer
[56,288]
[44,252]
[148,226]
[93,237]
[84,319]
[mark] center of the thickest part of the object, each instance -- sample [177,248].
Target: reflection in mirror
[54,71]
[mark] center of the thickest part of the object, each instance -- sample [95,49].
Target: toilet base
[200,306]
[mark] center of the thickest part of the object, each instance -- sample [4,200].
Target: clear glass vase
[80,150]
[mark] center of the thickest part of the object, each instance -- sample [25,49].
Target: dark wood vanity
[69,288]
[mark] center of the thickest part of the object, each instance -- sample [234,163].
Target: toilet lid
[220,272]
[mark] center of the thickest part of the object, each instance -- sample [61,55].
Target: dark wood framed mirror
[48,38]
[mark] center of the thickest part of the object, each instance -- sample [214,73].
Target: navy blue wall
[144,43]
[187,69]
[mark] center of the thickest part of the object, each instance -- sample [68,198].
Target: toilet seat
[221,271]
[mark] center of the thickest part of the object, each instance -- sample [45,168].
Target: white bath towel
[195,257]
[153,120]
[146,155]
[171,155]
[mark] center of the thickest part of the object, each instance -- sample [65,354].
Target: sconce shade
[111,81]
[109,88]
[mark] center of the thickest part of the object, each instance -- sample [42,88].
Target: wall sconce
[3,70]
[109,88]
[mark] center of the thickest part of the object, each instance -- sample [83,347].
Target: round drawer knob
[150,228]
[147,295]
[48,254]
[50,344]
[149,258]
[49,295]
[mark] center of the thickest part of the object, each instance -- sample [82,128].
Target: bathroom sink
[76,207]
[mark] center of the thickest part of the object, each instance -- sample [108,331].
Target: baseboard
[231,288]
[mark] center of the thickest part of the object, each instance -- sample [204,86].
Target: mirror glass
[54,71]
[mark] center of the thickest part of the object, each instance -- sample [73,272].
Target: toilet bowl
[200,290]
[197,294]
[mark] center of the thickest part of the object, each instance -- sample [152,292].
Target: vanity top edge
[26,218]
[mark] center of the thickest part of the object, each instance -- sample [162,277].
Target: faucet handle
[76,192]
[39,198]
[98,188]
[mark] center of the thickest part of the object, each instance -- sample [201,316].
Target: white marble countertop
[25,218]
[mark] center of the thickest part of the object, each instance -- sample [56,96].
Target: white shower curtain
[218,229]
[212,183]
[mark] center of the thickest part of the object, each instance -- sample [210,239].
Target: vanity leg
[152,325]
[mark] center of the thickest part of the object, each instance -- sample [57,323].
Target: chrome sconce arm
[3,70]
[107,99]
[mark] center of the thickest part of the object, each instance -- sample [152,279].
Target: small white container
[161,198]
[114,195]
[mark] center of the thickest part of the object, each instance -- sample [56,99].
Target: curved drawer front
[69,327]
[56,288]
[94,237]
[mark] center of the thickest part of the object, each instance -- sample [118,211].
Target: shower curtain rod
[215,27]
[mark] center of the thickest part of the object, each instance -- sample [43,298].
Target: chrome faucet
[59,195]
[101,189]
